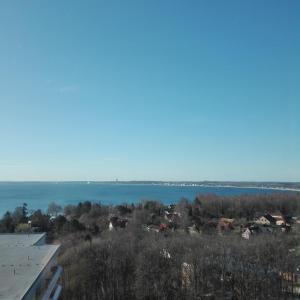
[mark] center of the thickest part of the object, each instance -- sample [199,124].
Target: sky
[150,90]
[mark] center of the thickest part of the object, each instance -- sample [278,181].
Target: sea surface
[38,195]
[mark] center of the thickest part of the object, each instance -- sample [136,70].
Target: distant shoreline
[247,187]
[279,186]
[233,186]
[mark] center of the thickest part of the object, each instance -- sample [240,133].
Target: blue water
[39,195]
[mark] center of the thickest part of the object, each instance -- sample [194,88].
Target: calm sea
[39,195]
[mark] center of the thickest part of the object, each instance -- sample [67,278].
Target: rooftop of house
[226,220]
[22,260]
[268,217]
[277,217]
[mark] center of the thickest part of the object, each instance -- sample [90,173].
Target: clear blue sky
[158,90]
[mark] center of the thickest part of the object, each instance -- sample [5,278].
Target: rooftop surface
[21,263]
[20,240]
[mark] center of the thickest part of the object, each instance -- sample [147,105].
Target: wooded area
[189,250]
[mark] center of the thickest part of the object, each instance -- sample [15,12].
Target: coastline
[207,184]
[238,187]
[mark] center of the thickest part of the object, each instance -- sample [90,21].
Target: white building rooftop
[20,240]
[22,260]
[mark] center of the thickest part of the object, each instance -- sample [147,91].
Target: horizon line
[166,181]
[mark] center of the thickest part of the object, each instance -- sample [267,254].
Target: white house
[246,234]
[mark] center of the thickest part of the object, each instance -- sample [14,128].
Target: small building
[225,224]
[163,227]
[172,217]
[152,228]
[187,272]
[279,220]
[116,222]
[266,219]
[193,230]
[28,268]
[246,233]
[165,253]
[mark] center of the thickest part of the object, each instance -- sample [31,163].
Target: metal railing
[53,284]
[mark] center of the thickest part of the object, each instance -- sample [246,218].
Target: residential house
[116,222]
[193,230]
[163,227]
[246,233]
[172,217]
[153,228]
[266,219]
[279,220]
[165,253]
[225,224]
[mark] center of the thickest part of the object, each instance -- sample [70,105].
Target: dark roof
[118,222]
[270,218]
